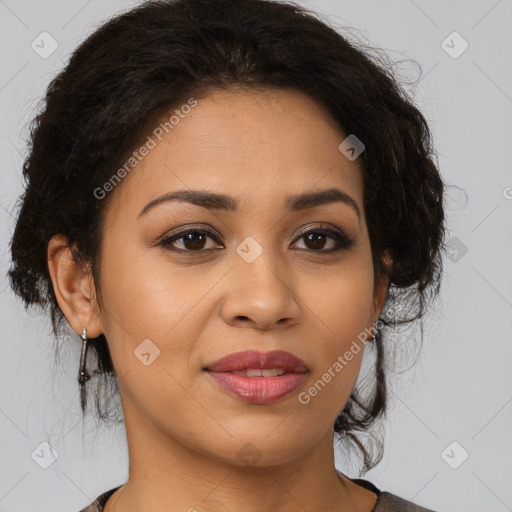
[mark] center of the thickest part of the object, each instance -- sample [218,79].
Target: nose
[260,295]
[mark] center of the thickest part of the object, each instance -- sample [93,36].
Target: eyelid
[302,231]
[187,228]
[321,226]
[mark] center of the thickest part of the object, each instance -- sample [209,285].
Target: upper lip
[244,360]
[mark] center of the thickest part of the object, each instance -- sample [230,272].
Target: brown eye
[192,241]
[316,239]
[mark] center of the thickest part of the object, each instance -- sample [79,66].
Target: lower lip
[258,390]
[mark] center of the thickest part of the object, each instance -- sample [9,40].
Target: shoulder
[99,503]
[388,502]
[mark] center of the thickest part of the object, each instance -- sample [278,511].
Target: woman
[226,201]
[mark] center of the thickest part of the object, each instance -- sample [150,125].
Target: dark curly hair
[134,69]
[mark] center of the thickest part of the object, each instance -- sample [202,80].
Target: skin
[183,431]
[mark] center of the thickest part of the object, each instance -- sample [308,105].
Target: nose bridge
[260,288]
[259,263]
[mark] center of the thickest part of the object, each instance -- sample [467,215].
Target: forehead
[257,145]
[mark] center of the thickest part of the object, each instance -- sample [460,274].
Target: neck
[168,475]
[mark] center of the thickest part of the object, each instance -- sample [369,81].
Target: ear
[74,288]
[380,291]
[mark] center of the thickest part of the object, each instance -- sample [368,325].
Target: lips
[248,359]
[258,377]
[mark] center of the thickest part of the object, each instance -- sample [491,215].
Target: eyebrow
[215,201]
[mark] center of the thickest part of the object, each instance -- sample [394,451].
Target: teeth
[257,372]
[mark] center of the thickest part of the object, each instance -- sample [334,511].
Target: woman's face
[260,279]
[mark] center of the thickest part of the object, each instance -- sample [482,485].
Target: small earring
[83,375]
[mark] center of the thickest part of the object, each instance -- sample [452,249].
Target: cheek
[337,355]
[342,300]
[146,300]
[149,292]
[340,308]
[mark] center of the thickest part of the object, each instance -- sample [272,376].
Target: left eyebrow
[215,201]
[311,199]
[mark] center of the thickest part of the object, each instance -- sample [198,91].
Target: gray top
[386,502]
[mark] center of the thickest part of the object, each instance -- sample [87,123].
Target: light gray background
[460,389]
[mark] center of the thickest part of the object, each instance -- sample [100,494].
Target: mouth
[258,377]
[258,372]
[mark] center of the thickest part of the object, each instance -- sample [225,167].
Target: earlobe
[381,289]
[73,287]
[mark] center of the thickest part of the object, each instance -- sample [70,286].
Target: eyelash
[343,241]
